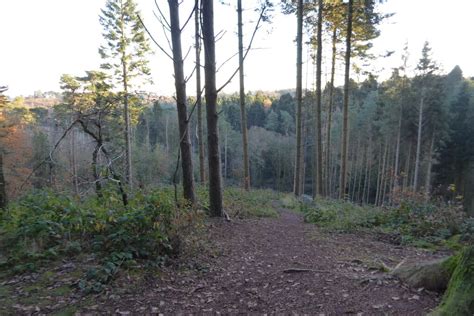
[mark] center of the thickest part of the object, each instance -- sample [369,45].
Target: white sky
[43,39]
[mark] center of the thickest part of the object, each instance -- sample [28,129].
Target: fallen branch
[299,270]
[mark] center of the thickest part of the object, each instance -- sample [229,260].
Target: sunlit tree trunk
[215,185]
[181,99]
[345,117]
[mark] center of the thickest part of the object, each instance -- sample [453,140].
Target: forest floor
[268,265]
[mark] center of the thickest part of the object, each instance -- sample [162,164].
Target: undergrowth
[413,221]
[44,227]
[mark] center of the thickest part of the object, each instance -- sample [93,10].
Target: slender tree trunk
[418,143]
[345,118]
[243,111]
[197,38]
[74,162]
[167,143]
[367,171]
[299,99]
[428,171]
[303,155]
[406,178]
[3,191]
[215,185]
[126,111]
[363,174]
[369,178]
[95,171]
[356,171]
[397,151]
[318,146]
[180,84]
[379,175]
[329,115]
[386,175]
[225,155]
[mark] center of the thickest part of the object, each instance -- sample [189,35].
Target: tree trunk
[397,150]
[418,144]
[367,172]
[3,191]
[386,175]
[225,156]
[406,178]
[318,146]
[379,175]
[95,171]
[126,114]
[428,171]
[243,111]
[74,162]
[215,185]
[180,84]
[299,98]
[197,38]
[167,143]
[329,116]
[345,118]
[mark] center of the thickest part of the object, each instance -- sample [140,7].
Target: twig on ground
[298,270]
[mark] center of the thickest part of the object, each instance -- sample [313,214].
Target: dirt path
[250,275]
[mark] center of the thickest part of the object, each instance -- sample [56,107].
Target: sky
[41,40]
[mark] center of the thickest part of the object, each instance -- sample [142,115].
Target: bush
[416,221]
[341,216]
[254,203]
[43,226]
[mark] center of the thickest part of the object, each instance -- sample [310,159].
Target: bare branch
[153,39]
[162,15]
[191,75]
[189,18]
[257,26]
[160,20]
[50,154]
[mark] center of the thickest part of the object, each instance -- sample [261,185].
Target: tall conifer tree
[124,53]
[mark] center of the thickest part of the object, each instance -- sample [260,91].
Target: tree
[345,124]
[180,84]
[214,160]
[3,103]
[318,146]
[426,68]
[299,100]
[125,55]
[197,39]
[243,112]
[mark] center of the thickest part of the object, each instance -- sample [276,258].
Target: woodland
[335,199]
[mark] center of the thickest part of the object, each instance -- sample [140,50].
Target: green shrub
[417,222]
[43,226]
